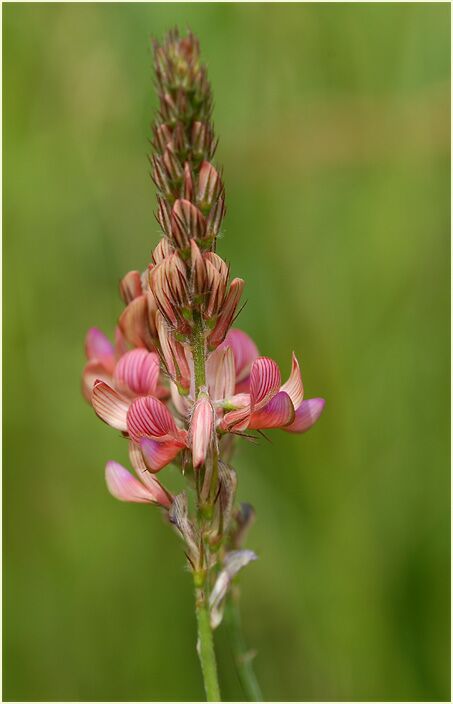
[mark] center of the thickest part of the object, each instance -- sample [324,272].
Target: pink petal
[98,347]
[125,487]
[149,417]
[92,372]
[236,421]
[121,346]
[138,370]
[158,454]
[294,386]
[110,405]
[279,411]
[243,387]
[136,457]
[181,403]
[220,372]
[306,415]
[162,497]
[245,352]
[265,382]
[201,430]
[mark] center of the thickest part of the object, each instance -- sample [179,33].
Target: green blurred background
[334,123]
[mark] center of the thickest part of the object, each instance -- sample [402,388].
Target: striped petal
[237,420]
[265,380]
[136,458]
[160,494]
[138,370]
[278,412]
[244,350]
[201,430]
[93,372]
[306,415]
[110,406]
[125,487]
[220,371]
[98,347]
[294,386]
[142,471]
[227,313]
[149,417]
[158,454]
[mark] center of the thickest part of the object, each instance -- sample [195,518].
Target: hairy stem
[205,647]
[198,346]
[243,657]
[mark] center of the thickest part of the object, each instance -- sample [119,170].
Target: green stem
[242,656]
[206,648]
[198,345]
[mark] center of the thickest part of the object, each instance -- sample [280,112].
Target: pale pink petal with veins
[110,405]
[125,487]
[138,370]
[94,371]
[294,386]
[245,352]
[265,380]
[220,373]
[201,430]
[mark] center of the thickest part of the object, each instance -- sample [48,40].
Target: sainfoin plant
[181,383]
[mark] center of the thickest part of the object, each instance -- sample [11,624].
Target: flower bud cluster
[191,198]
[196,288]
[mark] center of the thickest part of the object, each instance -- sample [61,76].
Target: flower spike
[179,383]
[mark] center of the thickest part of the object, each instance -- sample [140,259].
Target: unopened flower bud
[162,137]
[215,217]
[201,428]
[209,185]
[227,313]
[187,182]
[187,222]
[162,250]
[160,178]
[172,165]
[137,321]
[131,286]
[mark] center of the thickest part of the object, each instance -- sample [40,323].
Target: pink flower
[134,372]
[270,404]
[125,487]
[150,424]
[146,420]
